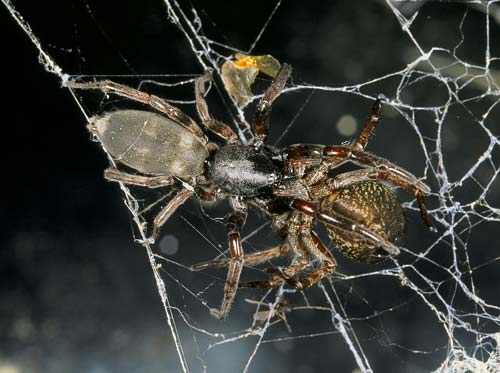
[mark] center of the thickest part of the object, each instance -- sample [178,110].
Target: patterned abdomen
[372,205]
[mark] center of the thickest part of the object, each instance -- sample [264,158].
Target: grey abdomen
[151,143]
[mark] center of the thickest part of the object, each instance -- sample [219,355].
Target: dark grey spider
[291,186]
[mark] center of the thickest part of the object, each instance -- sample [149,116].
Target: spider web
[435,307]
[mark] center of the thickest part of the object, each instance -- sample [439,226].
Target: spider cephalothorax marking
[290,186]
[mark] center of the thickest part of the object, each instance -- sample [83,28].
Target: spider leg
[112,174]
[303,155]
[214,125]
[263,110]
[379,168]
[313,248]
[318,249]
[309,245]
[296,226]
[166,212]
[248,260]
[327,187]
[376,174]
[155,102]
[364,159]
[344,223]
[234,222]
[273,282]
[316,183]
[294,245]
[369,126]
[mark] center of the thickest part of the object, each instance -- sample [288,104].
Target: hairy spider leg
[330,157]
[166,212]
[302,155]
[369,126]
[310,246]
[235,221]
[112,174]
[328,186]
[303,258]
[328,262]
[263,111]
[382,169]
[155,102]
[214,125]
[341,222]
[248,260]
[259,257]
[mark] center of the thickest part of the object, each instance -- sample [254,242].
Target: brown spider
[291,186]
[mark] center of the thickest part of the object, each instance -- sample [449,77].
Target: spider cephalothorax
[290,186]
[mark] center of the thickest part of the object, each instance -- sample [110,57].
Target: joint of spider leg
[154,235]
[258,142]
[337,151]
[305,207]
[207,76]
[207,196]
[92,128]
[216,313]
[377,105]
[294,284]
[234,224]
[263,104]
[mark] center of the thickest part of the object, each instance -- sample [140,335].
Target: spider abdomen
[150,143]
[373,205]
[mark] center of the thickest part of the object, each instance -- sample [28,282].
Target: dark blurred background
[76,292]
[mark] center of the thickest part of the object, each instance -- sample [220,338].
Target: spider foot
[382,98]
[217,313]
